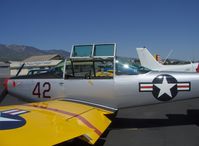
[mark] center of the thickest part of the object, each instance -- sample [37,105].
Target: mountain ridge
[15,52]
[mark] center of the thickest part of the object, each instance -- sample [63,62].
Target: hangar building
[35,62]
[4,69]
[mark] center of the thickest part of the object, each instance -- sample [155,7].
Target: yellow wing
[49,123]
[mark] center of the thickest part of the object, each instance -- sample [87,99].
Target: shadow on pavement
[191,118]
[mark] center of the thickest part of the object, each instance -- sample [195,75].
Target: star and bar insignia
[164,87]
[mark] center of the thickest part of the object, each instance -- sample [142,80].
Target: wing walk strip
[15,112]
[82,119]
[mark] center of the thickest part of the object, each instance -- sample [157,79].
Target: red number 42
[37,90]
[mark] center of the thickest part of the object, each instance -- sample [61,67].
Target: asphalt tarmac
[169,124]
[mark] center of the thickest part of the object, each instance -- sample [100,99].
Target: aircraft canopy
[93,51]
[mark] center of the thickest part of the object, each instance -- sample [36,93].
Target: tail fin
[147,60]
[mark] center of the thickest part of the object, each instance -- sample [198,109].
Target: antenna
[20,69]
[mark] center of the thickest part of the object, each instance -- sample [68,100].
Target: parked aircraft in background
[148,61]
[90,85]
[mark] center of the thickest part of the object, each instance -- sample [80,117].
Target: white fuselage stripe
[143,85]
[183,84]
[183,89]
[146,89]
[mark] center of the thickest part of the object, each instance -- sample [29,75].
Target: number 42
[37,90]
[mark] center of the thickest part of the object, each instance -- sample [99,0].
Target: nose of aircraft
[197,69]
[5,83]
[9,84]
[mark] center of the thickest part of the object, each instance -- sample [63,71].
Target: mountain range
[21,52]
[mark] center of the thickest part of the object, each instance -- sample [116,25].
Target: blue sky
[160,25]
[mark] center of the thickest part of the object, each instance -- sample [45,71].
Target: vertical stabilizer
[147,60]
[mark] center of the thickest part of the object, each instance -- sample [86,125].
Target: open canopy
[93,51]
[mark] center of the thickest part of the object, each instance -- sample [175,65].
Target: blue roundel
[9,121]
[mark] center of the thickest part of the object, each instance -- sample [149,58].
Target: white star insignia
[165,87]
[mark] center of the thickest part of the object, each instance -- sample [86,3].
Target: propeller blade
[5,90]
[3,94]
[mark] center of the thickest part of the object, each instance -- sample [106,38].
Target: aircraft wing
[52,122]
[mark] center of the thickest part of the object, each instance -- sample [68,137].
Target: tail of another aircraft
[147,60]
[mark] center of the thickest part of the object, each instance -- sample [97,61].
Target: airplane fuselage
[95,75]
[121,91]
[179,68]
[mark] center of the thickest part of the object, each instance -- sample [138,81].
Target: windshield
[59,67]
[89,69]
[125,66]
